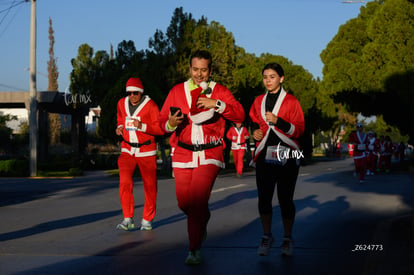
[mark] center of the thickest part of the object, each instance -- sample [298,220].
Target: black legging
[267,176]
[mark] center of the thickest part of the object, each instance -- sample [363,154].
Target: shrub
[14,168]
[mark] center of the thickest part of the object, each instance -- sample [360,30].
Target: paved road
[67,226]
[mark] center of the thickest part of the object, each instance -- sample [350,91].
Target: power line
[13,5]
[11,87]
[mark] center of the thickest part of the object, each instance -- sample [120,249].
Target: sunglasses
[132,93]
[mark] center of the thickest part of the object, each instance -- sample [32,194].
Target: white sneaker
[265,246]
[146,225]
[193,258]
[127,224]
[287,247]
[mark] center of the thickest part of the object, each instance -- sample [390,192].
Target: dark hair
[202,54]
[276,67]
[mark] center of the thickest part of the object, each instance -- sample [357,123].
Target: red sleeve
[120,113]
[255,114]
[234,110]
[294,116]
[151,119]
[245,133]
[229,134]
[175,98]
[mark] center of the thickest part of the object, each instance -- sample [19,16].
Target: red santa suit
[138,148]
[385,154]
[238,137]
[198,155]
[372,154]
[359,140]
[277,155]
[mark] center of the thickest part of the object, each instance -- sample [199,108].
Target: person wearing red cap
[238,136]
[359,140]
[137,124]
[199,124]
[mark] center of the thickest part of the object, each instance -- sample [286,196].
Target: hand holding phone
[173,110]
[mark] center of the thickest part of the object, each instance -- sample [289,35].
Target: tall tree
[170,48]
[368,59]
[53,74]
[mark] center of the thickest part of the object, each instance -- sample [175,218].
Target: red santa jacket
[148,114]
[386,148]
[373,146]
[287,107]
[238,137]
[207,132]
[359,140]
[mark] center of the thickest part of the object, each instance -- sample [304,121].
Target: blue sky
[296,29]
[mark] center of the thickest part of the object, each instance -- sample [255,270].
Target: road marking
[228,188]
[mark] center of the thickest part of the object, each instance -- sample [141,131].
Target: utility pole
[33,92]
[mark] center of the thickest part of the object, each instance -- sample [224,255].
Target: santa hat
[199,115]
[134,85]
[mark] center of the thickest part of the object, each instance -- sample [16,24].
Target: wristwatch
[218,105]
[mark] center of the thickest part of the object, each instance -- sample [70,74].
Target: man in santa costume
[359,141]
[137,124]
[199,124]
[372,153]
[238,136]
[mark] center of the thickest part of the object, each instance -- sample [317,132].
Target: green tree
[171,48]
[369,64]
[82,75]
[53,74]
[5,133]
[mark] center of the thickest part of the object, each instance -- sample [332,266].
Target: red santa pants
[238,156]
[384,162]
[148,169]
[372,159]
[193,188]
[360,167]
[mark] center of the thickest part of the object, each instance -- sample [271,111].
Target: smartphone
[173,110]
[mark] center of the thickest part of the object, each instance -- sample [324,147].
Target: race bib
[129,124]
[371,147]
[361,147]
[277,155]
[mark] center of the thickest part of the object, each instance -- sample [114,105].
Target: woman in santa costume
[199,125]
[137,124]
[238,136]
[279,122]
[359,140]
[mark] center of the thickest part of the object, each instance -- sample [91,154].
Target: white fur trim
[134,89]
[203,116]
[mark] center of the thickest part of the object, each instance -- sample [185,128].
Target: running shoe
[146,225]
[265,245]
[127,224]
[287,247]
[193,258]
